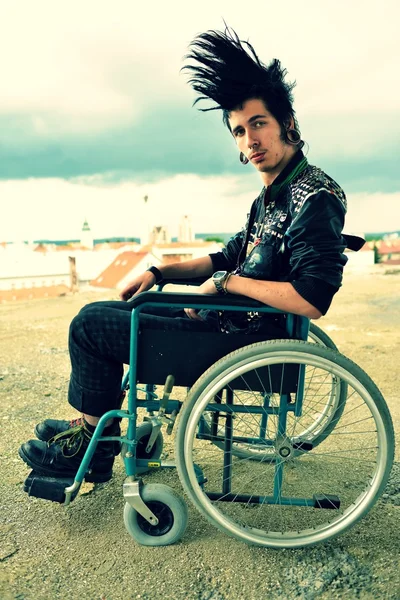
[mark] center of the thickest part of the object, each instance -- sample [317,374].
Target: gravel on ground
[48,552]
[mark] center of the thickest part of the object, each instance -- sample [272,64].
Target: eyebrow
[250,121]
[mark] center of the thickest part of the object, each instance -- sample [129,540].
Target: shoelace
[70,438]
[75,422]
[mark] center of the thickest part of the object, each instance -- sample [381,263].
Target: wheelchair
[280,443]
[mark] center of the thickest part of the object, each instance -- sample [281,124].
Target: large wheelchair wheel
[320,337]
[309,493]
[319,415]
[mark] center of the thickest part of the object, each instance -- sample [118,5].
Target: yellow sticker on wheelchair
[154,464]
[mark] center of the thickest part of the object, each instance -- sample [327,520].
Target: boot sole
[90,477]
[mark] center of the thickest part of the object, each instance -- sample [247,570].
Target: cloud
[86,62]
[373,212]
[91,87]
[177,139]
[56,209]
[94,109]
[98,63]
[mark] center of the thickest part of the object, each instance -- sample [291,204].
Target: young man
[289,255]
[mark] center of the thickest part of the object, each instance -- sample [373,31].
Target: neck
[268,177]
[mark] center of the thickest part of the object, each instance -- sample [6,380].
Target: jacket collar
[296,165]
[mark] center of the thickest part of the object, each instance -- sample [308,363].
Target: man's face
[258,136]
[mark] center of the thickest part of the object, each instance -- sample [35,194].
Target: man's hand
[207,287]
[142,283]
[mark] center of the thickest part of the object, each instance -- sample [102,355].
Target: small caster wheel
[143,433]
[170,510]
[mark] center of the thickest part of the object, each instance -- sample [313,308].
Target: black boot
[61,456]
[50,428]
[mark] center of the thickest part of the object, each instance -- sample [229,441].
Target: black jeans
[99,342]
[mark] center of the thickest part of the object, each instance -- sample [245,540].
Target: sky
[95,113]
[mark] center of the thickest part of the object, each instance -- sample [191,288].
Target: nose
[251,142]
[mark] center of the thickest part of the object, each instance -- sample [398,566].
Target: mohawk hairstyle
[230,72]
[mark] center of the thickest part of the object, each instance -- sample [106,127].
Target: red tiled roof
[168,259]
[195,244]
[118,269]
[366,247]
[54,248]
[40,248]
[384,247]
[389,247]
[113,245]
[72,247]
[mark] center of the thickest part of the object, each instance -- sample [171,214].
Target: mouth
[257,157]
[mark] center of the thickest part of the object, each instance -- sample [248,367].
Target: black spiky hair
[230,72]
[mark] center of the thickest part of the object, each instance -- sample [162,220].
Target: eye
[259,124]
[239,132]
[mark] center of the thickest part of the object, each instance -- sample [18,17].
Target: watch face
[218,279]
[219,274]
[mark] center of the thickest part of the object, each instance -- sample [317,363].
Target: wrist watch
[219,279]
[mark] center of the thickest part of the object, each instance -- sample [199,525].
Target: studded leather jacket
[293,233]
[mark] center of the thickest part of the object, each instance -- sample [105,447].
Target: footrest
[48,488]
[326,501]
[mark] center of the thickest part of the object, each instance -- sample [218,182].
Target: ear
[289,123]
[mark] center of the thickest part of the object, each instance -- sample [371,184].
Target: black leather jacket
[293,233]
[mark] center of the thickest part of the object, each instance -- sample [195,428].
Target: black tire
[345,472]
[318,336]
[143,433]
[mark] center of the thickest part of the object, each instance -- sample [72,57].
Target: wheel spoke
[306,476]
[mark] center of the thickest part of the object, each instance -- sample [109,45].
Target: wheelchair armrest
[180,299]
[296,326]
[193,281]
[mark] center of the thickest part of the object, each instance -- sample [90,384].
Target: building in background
[86,236]
[145,222]
[185,232]
[128,264]
[388,250]
[124,268]
[43,271]
[363,260]
[56,268]
[25,274]
[159,235]
[181,251]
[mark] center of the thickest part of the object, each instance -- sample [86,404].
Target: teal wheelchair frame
[265,422]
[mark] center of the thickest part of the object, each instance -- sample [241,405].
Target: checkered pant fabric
[99,342]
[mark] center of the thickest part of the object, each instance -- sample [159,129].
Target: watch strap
[225,282]
[157,274]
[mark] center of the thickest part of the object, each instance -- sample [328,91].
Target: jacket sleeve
[316,248]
